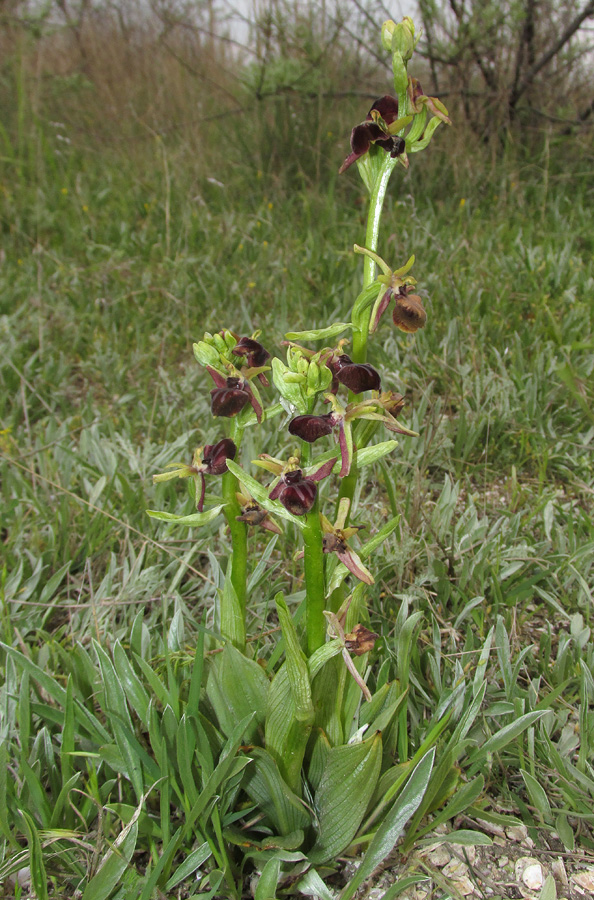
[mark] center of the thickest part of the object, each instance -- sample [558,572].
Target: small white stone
[502,861]
[439,856]
[530,871]
[517,832]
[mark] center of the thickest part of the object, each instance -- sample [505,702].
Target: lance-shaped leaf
[232,617]
[193,519]
[393,824]
[237,686]
[266,787]
[320,334]
[369,455]
[347,784]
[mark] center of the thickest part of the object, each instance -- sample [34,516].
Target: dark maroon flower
[215,456]
[310,428]
[374,130]
[357,377]
[228,401]
[296,492]
[255,354]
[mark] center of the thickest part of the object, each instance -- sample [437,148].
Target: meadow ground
[113,264]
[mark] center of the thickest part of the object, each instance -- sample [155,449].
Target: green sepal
[417,128]
[346,787]
[320,334]
[202,518]
[434,122]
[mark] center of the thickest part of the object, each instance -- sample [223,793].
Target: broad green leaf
[198,518]
[232,617]
[549,889]
[319,334]
[347,784]
[312,886]
[268,880]
[237,686]
[385,838]
[266,787]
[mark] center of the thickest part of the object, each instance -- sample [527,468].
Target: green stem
[314,580]
[376,203]
[238,530]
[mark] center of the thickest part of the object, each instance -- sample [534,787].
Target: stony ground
[514,865]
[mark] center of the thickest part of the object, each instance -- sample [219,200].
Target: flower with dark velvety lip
[255,355]
[357,377]
[375,130]
[208,460]
[228,401]
[296,490]
[309,428]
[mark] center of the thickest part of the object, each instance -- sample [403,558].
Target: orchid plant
[321,747]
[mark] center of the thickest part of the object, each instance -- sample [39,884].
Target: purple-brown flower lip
[255,354]
[215,456]
[374,130]
[228,401]
[357,377]
[296,492]
[309,427]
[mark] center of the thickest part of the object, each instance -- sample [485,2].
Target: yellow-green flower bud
[387,34]
[403,38]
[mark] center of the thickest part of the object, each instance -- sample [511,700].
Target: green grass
[112,268]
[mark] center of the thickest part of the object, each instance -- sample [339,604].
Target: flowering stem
[376,203]
[314,580]
[238,530]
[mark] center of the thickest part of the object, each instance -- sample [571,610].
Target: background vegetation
[158,180]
